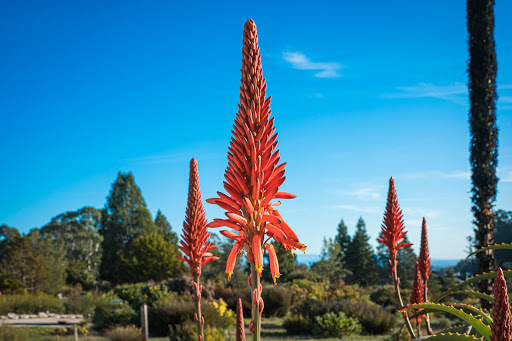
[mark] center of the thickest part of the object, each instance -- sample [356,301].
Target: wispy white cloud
[365,194]
[364,209]
[301,62]
[420,213]
[461,175]
[453,92]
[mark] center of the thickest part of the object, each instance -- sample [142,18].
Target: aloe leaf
[454,329]
[475,293]
[502,246]
[476,323]
[453,337]
[474,310]
[477,278]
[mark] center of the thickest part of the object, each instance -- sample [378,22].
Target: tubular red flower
[195,232]
[393,233]
[274,263]
[230,264]
[500,328]
[424,256]
[254,175]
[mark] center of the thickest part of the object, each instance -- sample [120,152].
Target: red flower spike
[194,240]
[417,295]
[274,264]
[424,256]
[500,328]
[393,225]
[254,174]
[240,327]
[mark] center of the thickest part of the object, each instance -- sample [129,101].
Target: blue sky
[361,91]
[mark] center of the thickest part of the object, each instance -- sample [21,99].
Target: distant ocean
[436,263]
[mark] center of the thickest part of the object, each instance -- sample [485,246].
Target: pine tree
[165,228]
[343,240]
[360,258]
[125,218]
[482,70]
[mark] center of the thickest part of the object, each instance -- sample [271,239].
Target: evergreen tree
[125,218]
[165,228]
[343,240]
[330,266]
[360,259]
[482,70]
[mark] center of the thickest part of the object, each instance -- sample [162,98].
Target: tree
[125,217]
[165,228]
[20,262]
[78,232]
[343,240]
[53,254]
[482,70]
[406,264]
[360,257]
[150,257]
[331,265]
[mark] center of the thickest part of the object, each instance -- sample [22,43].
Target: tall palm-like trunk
[482,70]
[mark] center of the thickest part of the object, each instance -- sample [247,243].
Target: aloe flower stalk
[194,242]
[253,178]
[424,267]
[417,295]
[500,328]
[392,235]
[240,327]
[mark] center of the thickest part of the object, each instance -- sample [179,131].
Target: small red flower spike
[500,328]
[194,241]
[240,327]
[424,256]
[417,294]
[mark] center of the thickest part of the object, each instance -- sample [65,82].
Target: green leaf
[475,293]
[453,337]
[477,278]
[474,310]
[476,323]
[454,329]
[502,246]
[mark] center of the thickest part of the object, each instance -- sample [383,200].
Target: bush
[298,324]
[331,324]
[231,295]
[121,333]
[9,333]
[108,315]
[139,293]
[277,301]
[384,296]
[80,303]
[62,331]
[30,304]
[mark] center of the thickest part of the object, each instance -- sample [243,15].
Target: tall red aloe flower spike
[194,242]
[417,295]
[424,267]
[253,177]
[500,328]
[392,235]
[240,327]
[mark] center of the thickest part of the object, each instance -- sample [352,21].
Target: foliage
[331,324]
[165,229]
[10,333]
[30,304]
[124,333]
[124,218]
[107,314]
[343,240]
[277,300]
[331,265]
[298,324]
[63,331]
[150,257]
[384,296]
[78,231]
[231,295]
[20,262]
[360,259]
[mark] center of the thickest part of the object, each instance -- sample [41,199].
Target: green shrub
[298,324]
[331,324]
[30,304]
[108,315]
[124,333]
[131,293]
[277,301]
[183,332]
[80,303]
[62,331]
[384,296]
[10,333]
[231,295]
